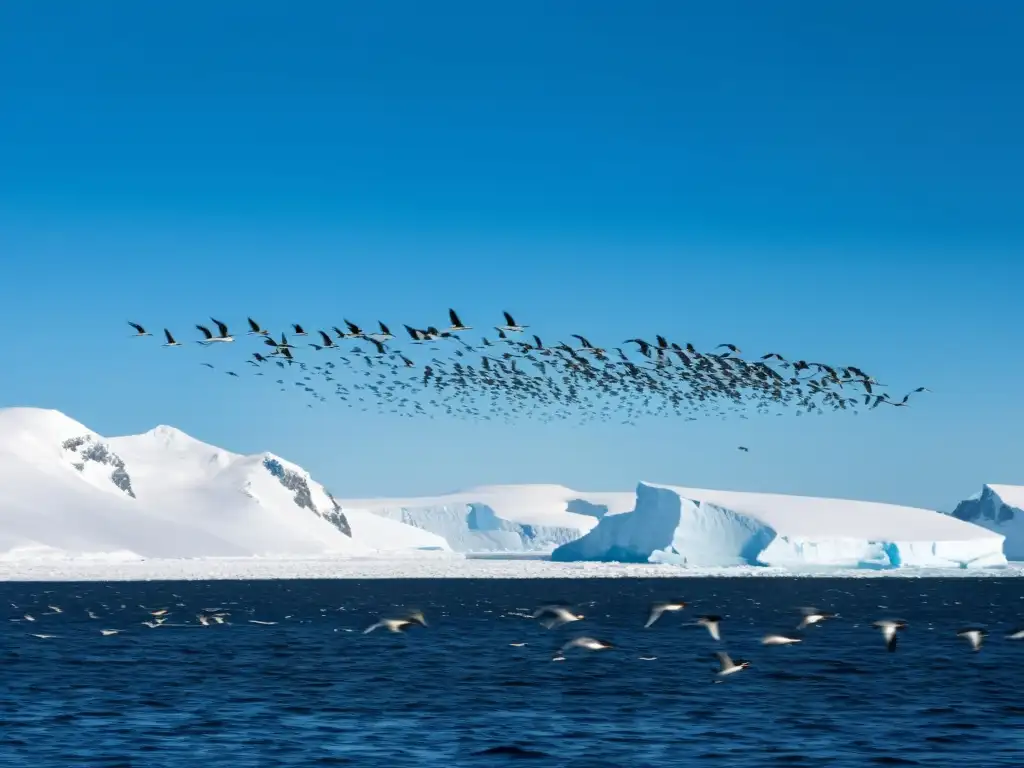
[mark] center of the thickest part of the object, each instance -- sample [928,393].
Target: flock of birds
[551,616]
[510,374]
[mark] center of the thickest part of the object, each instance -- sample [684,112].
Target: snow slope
[501,518]
[715,528]
[998,508]
[65,491]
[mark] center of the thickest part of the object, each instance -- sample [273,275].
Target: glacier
[701,528]
[999,508]
[501,518]
[78,504]
[67,492]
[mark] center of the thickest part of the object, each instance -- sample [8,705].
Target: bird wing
[655,614]
[205,330]
[454,318]
[170,339]
[724,660]
[221,327]
[508,319]
[137,327]
[254,325]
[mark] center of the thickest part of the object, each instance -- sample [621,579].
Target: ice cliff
[501,518]
[701,528]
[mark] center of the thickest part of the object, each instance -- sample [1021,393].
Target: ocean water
[312,689]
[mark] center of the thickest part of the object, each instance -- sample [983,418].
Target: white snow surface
[66,492]
[501,518]
[698,527]
[999,508]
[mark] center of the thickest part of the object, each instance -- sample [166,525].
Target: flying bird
[711,624]
[552,616]
[657,609]
[889,629]
[457,325]
[973,636]
[399,625]
[729,667]
[511,326]
[779,640]
[813,616]
[140,331]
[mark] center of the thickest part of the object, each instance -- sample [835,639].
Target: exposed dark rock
[298,485]
[88,449]
[988,507]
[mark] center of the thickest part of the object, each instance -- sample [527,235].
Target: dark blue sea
[312,690]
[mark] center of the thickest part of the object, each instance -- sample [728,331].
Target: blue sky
[832,181]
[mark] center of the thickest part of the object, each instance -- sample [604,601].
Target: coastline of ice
[435,566]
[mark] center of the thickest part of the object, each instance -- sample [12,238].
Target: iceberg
[501,518]
[999,508]
[67,492]
[695,527]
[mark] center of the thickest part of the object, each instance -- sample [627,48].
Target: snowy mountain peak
[999,508]
[70,492]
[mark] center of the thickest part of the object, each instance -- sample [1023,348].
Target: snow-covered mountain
[998,508]
[501,518]
[701,527]
[66,491]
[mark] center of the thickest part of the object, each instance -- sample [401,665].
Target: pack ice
[501,518]
[713,528]
[999,508]
[65,491]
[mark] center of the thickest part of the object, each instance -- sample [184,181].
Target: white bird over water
[108,632]
[552,616]
[973,636]
[398,625]
[711,622]
[587,643]
[55,609]
[1017,634]
[889,629]
[659,608]
[779,640]
[728,666]
[813,616]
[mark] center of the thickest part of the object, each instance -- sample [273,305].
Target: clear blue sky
[832,181]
